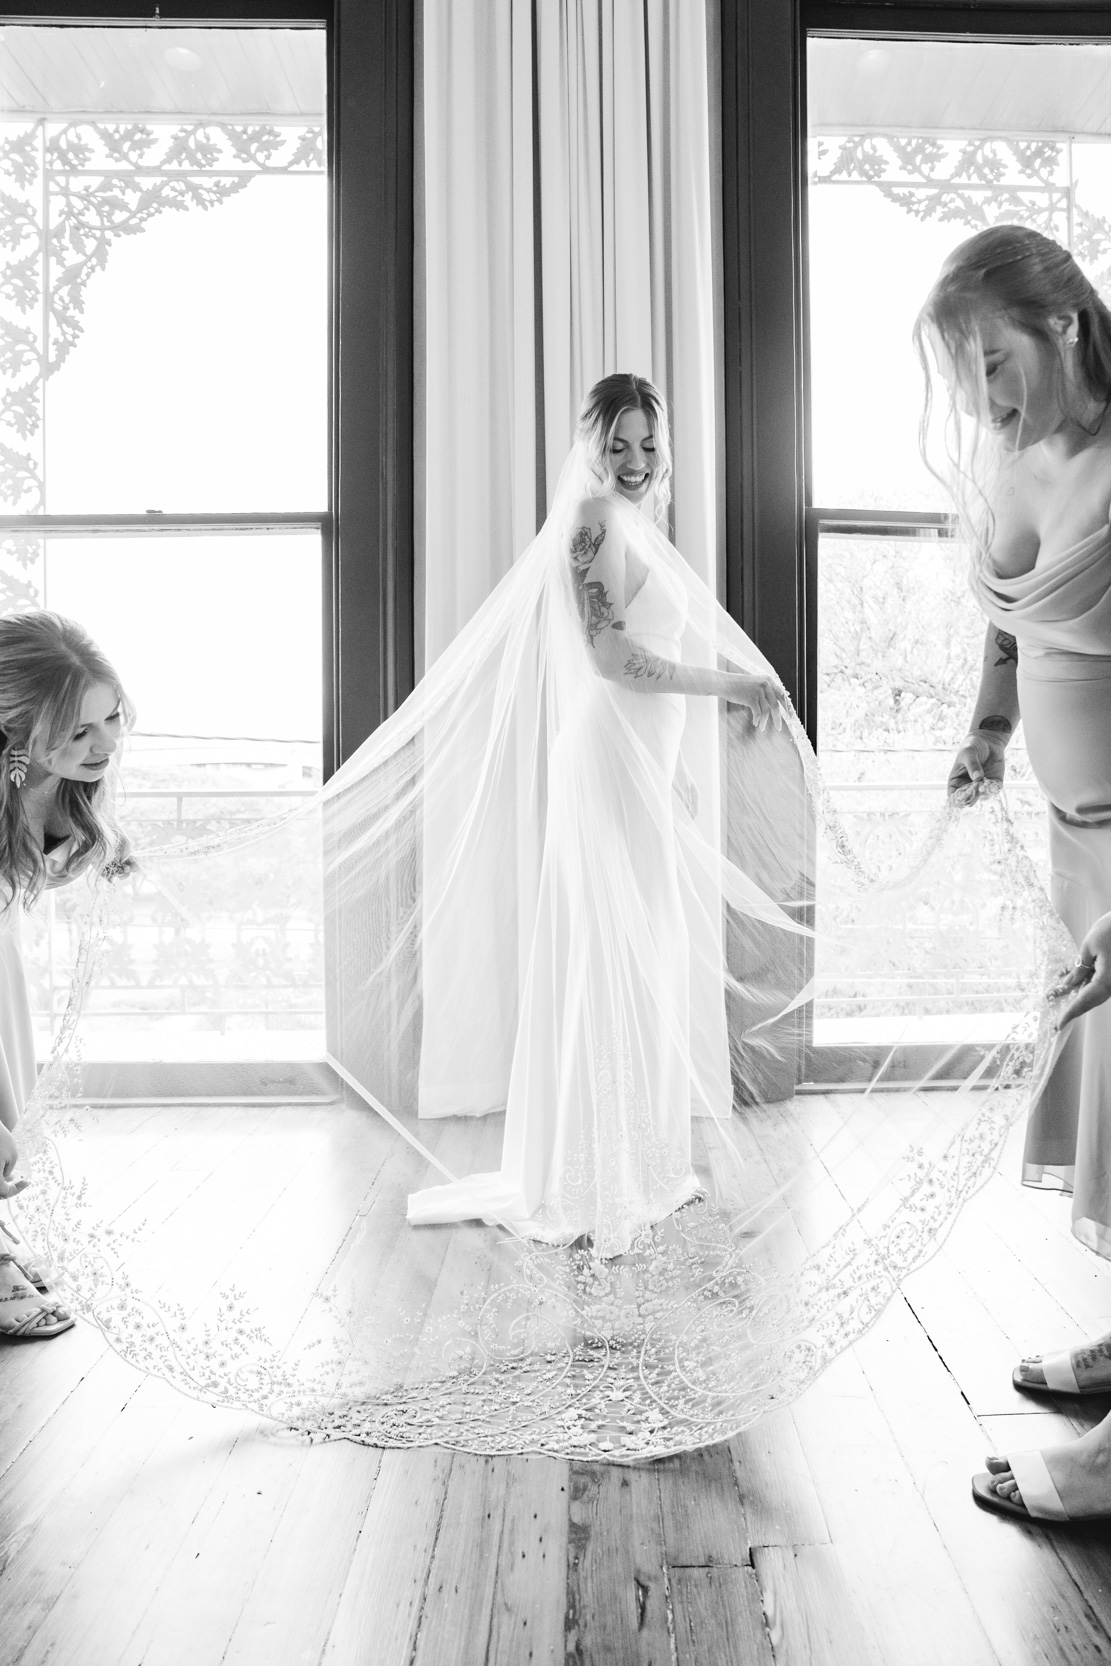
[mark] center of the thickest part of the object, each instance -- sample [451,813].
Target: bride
[605,1069]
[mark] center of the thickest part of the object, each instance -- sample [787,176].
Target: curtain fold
[567,234]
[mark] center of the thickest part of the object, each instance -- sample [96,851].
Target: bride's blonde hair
[47,666]
[602,409]
[1025,278]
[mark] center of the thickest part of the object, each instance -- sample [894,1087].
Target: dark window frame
[367,528]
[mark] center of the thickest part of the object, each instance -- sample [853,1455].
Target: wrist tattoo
[642,666]
[994,725]
[1008,648]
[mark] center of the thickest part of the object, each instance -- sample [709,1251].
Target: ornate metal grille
[71,190]
[975,182]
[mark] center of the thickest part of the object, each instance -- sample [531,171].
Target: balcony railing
[209,1007]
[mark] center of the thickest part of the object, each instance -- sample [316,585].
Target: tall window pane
[164,356]
[163,299]
[914,146]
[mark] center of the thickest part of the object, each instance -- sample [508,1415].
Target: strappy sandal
[33,1269]
[1060,1378]
[42,1323]
[46,1320]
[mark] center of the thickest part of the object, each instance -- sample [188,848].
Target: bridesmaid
[1025,344]
[62,711]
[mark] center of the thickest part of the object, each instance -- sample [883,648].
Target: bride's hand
[979,761]
[762,695]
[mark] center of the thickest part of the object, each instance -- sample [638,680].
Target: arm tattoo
[1008,649]
[994,725]
[595,607]
[642,666]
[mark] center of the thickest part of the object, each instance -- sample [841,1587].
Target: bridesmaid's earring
[18,762]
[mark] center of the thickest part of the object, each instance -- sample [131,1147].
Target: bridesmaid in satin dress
[1024,342]
[62,711]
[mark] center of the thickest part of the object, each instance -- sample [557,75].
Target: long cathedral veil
[253,1248]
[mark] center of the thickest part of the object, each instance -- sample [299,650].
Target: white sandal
[1041,1502]
[31,1266]
[1060,1378]
[45,1320]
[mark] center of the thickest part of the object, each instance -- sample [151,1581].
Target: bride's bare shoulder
[590,509]
[595,521]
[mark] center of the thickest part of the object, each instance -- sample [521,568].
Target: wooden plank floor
[141,1529]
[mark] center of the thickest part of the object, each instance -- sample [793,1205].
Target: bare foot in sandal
[1067,1483]
[1082,1370]
[24,1314]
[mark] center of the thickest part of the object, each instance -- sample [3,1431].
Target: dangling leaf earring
[18,761]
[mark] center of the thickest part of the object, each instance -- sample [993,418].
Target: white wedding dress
[597,1123]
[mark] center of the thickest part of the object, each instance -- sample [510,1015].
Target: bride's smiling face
[632,453]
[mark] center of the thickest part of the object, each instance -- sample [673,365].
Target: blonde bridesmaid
[62,712]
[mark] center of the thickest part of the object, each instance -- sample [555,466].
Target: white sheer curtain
[567,231]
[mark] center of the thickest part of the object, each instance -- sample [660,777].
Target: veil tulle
[253,1248]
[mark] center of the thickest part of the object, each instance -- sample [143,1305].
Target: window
[913,145]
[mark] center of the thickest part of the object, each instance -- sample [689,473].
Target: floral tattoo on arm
[642,666]
[595,607]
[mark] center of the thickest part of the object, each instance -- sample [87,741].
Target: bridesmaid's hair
[1024,277]
[47,666]
[602,409]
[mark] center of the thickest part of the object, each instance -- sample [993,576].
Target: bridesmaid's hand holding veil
[1089,981]
[981,759]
